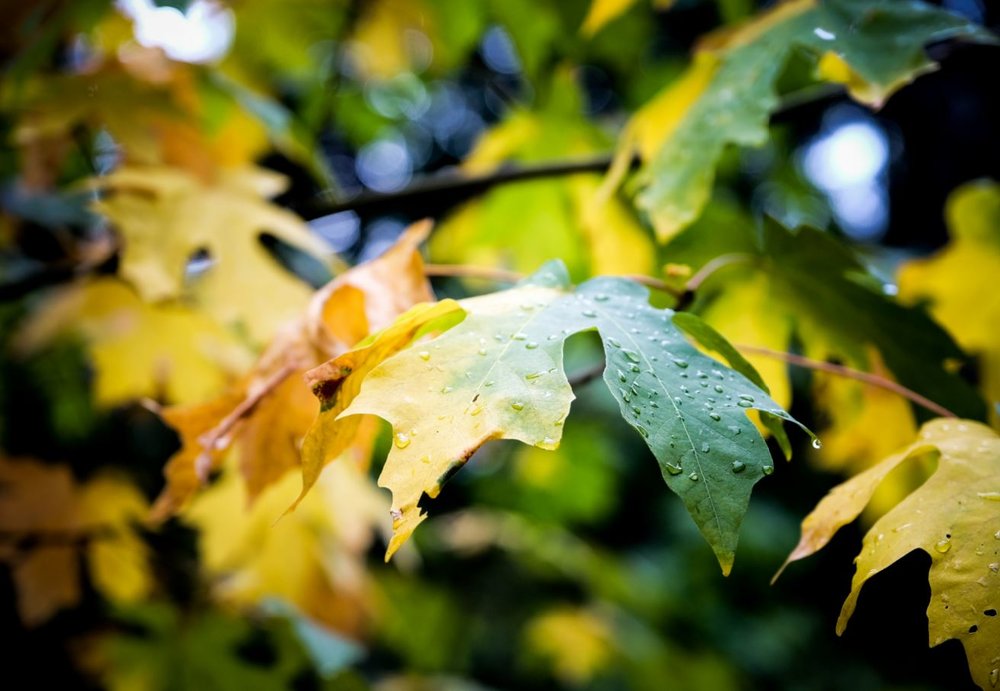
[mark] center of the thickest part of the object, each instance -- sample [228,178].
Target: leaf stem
[218,436]
[849,373]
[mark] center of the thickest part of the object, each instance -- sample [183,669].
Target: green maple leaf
[728,94]
[498,374]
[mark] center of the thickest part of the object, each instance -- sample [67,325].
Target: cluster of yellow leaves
[165,351]
[962,277]
[186,183]
[48,521]
[952,517]
[155,110]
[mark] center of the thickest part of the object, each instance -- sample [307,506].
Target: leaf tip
[404,522]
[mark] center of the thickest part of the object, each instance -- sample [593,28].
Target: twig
[723,260]
[849,373]
[586,376]
[457,185]
[216,437]
[685,299]
[485,273]
[32,539]
[488,273]
[453,183]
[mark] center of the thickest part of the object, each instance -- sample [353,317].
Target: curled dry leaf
[268,413]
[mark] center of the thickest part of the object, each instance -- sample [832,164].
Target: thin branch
[685,299]
[722,261]
[849,373]
[488,273]
[586,376]
[455,184]
[485,273]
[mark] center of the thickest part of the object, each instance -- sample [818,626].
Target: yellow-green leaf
[963,276]
[499,375]
[954,517]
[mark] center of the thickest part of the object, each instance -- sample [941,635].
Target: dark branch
[450,187]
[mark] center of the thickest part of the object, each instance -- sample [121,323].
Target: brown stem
[849,373]
[216,437]
[586,376]
[486,273]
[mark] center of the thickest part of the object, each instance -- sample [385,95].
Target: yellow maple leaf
[165,216]
[961,277]
[164,351]
[429,448]
[952,517]
[43,501]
